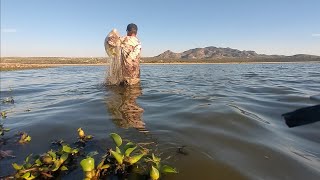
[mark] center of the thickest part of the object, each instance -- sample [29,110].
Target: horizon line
[141,57]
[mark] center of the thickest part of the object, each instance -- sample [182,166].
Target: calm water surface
[227,118]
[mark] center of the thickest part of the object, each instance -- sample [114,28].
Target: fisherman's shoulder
[131,40]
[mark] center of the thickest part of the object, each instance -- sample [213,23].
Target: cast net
[112,47]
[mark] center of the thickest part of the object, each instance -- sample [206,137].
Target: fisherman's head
[132,29]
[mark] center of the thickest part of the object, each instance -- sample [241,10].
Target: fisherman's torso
[131,50]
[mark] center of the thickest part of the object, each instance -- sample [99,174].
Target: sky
[77,28]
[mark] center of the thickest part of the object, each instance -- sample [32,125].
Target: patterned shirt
[130,57]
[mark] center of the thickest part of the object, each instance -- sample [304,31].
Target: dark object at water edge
[302,116]
[182,150]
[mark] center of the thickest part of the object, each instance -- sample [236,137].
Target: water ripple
[228,117]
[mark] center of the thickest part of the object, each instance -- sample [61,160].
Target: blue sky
[77,28]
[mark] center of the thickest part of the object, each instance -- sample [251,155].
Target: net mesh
[113,50]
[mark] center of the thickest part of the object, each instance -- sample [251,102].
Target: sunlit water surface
[225,119]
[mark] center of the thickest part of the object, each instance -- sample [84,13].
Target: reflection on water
[122,105]
[228,117]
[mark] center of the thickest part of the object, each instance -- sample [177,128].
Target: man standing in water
[130,56]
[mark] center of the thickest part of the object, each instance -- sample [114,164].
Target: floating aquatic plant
[2,141]
[90,171]
[8,100]
[154,173]
[114,162]
[3,114]
[124,154]
[3,130]
[82,136]
[46,166]
[125,159]
[67,149]
[157,168]
[24,138]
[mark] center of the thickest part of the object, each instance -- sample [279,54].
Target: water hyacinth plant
[3,114]
[114,162]
[82,136]
[90,171]
[124,160]
[3,130]
[24,138]
[46,166]
[157,167]
[123,156]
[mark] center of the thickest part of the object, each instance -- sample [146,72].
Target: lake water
[226,119]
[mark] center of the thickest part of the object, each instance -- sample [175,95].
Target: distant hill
[223,53]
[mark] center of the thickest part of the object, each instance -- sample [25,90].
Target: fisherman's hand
[112,41]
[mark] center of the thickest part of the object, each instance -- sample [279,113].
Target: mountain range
[212,52]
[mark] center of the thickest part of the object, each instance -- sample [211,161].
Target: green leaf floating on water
[46,159]
[129,150]
[129,145]
[154,173]
[155,158]
[117,156]
[168,169]
[24,138]
[28,138]
[27,166]
[3,114]
[75,151]
[89,137]
[52,154]
[28,158]
[118,150]
[100,164]
[66,149]
[16,166]
[117,139]
[106,166]
[64,157]
[38,162]
[87,164]
[136,158]
[64,168]
[28,176]
[56,165]
[81,133]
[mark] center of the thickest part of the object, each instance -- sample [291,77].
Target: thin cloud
[316,35]
[8,30]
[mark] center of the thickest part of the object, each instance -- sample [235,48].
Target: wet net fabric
[113,50]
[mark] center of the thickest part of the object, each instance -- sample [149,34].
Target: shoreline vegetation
[20,63]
